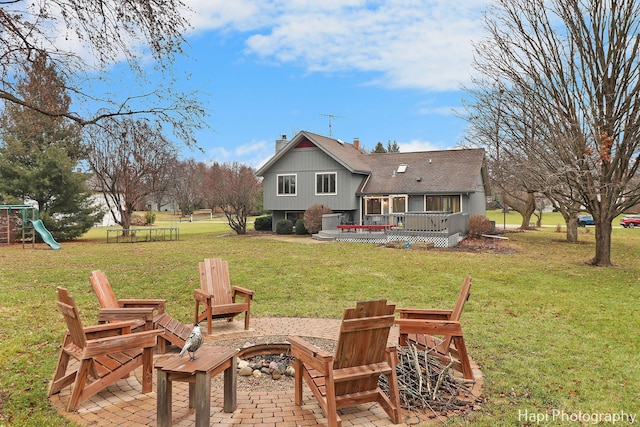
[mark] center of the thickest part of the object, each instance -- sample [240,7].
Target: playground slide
[45,234]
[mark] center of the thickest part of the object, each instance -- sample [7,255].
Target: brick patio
[124,405]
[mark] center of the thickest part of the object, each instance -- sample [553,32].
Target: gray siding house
[313,169]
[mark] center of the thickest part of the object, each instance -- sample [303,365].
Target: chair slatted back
[214,279]
[102,289]
[456,313]
[69,310]
[465,292]
[364,333]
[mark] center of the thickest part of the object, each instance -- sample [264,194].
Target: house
[363,187]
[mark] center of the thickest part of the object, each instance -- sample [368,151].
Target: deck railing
[427,222]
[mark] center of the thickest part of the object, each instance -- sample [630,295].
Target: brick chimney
[356,143]
[280,143]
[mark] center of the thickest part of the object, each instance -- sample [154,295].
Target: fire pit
[264,354]
[453,396]
[263,349]
[273,360]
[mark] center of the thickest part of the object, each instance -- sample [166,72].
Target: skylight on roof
[402,168]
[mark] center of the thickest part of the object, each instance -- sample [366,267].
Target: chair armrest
[391,355]
[109,345]
[429,327]
[109,329]
[243,291]
[311,355]
[120,314]
[424,313]
[156,304]
[201,295]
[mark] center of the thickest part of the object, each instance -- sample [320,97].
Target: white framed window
[326,183]
[373,205]
[399,203]
[287,185]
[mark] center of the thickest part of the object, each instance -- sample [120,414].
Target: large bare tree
[82,40]
[234,188]
[127,156]
[501,121]
[495,119]
[577,64]
[187,187]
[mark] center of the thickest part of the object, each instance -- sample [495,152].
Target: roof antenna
[332,116]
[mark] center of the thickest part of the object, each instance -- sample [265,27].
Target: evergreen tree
[379,148]
[393,148]
[39,154]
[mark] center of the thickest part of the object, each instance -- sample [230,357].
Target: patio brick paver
[123,404]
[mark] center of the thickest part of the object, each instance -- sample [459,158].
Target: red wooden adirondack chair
[105,354]
[113,309]
[438,331]
[217,296]
[350,376]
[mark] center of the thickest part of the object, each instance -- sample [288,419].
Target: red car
[630,221]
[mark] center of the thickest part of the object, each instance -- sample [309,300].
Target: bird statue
[193,342]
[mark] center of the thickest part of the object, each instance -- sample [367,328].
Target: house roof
[446,171]
[346,154]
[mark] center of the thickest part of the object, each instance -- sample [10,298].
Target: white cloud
[417,145]
[438,111]
[240,15]
[254,154]
[218,154]
[408,44]
[252,147]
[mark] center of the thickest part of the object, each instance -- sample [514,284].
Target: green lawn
[549,332]
[549,219]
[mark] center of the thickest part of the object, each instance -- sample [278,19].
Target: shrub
[137,220]
[478,225]
[263,223]
[150,217]
[300,228]
[284,226]
[313,217]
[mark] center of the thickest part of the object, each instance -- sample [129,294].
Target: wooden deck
[393,234]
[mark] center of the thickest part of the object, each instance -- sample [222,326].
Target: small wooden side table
[210,361]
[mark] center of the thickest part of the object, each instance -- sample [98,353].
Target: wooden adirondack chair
[350,377]
[113,309]
[106,353]
[438,331]
[217,296]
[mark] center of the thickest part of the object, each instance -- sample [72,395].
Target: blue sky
[392,71]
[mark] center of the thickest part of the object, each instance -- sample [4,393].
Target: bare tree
[496,120]
[126,157]
[187,188]
[162,185]
[235,189]
[83,38]
[500,120]
[577,64]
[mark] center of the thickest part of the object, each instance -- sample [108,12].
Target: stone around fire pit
[267,348]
